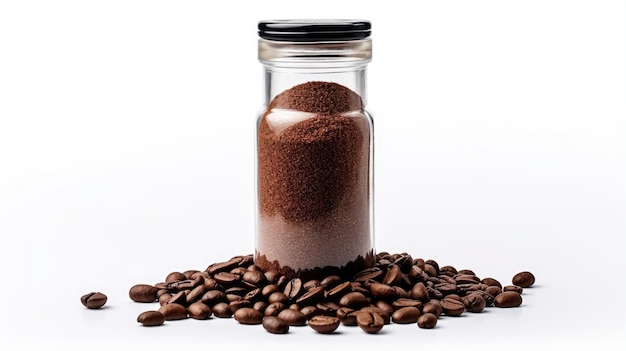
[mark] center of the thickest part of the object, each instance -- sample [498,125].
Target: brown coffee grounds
[313,180]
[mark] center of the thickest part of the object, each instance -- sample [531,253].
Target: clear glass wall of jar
[314,170]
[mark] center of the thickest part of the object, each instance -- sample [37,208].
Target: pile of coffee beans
[398,289]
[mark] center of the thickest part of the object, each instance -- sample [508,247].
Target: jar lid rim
[310,30]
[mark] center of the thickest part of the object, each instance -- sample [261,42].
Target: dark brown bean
[370,322]
[174,277]
[452,307]
[324,324]
[199,310]
[143,293]
[508,299]
[517,289]
[275,325]
[311,297]
[406,315]
[523,279]
[491,282]
[353,300]
[433,307]
[294,288]
[247,315]
[173,311]
[274,308]
[293,317]
[151,318]
[222,310]
[94,300]
[474,303]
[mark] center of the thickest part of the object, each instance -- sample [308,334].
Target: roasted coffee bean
[212,297]
[246,260]
[385,306]
[446,288]
[310,284]
[433,307]
[448,270]
[272,276]
[474,303]
[324,324]
[260,306]
[210,284]
[162,292]
[488,297]
[195,294]
[178,298]
[292,317]
[491,282]
[94,300]
[248,315]
[275,325]
[339,290]
[222,266]
[445,279]
[328,308]
[467,279]
[419,292]
[237,290]
[346,316]
[267,290]
[294,288]
[253,295]
[517,289]
[274,308]
[331,281]
[353,300]
[311,297]
[406,315]
[367,274]
[151,318]
[523,279]
[434,294]
[255,278]
[508,299]
[189,273]
[232,297]
[370,322]
[430,270]
[493,290]
[393,275]
[174,277]
[236,305]
[143,293]
[222,310]
[199,310]
[373,309]
[383,291]
[452,307]
[404,302]
[454,296]
[173,311]
[278,297]
[427,321]
[227,278]
[163,299]
[162,286]
[310,311]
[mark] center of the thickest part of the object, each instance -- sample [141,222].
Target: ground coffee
[314,181]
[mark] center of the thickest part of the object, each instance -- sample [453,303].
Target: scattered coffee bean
[452,307]
[406,315]
[292,317]
[523,279]
[427,321]
[173,311]
[151,318]
[474,303]
[370,322]
[143,293]
[94,300]
[324,324]
[517,289]
[275,325]
[198,310]
[248,315]
[222,310]
[508,299]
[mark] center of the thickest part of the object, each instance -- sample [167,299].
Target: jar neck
[280,77]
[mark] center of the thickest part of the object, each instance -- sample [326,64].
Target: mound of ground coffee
[314,181]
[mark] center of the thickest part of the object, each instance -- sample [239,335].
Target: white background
[127,152]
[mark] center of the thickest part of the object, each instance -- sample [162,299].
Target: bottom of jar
[346,271]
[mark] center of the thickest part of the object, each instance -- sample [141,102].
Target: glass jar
[314,171]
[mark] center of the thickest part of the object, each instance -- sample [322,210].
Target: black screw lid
[314,30]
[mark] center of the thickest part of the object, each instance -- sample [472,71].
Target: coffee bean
[195,294]
[353,300]
[255,278]
[331,281]
[174,277]
[248,315]
[222,310]
[253,295]
[339,290]
[275,325]
[383,291]
[94,300]
[433,307]
[379,311]
[385,306]
[324,324]
[199,310]
[474,303]
[260,306]
[238,304]
[274,308]
[491,282]
[370,322]
[143,293]
[328,308]
[310,284]
[222,266]
[292,317]
[311,297]
[452,307]
[427,321]
[310,311]
[163,299]
[419,292]
[178,298]
[227,278]
[523,279]
[173,311]
[151,318]
[406,315]
[430,270]
[346,316]
[517,289]
[367,274]
[278,297]
[493,290]
[212,297]
[294,289]
[508,299]
[267,290]
[404,302]
[393,275]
